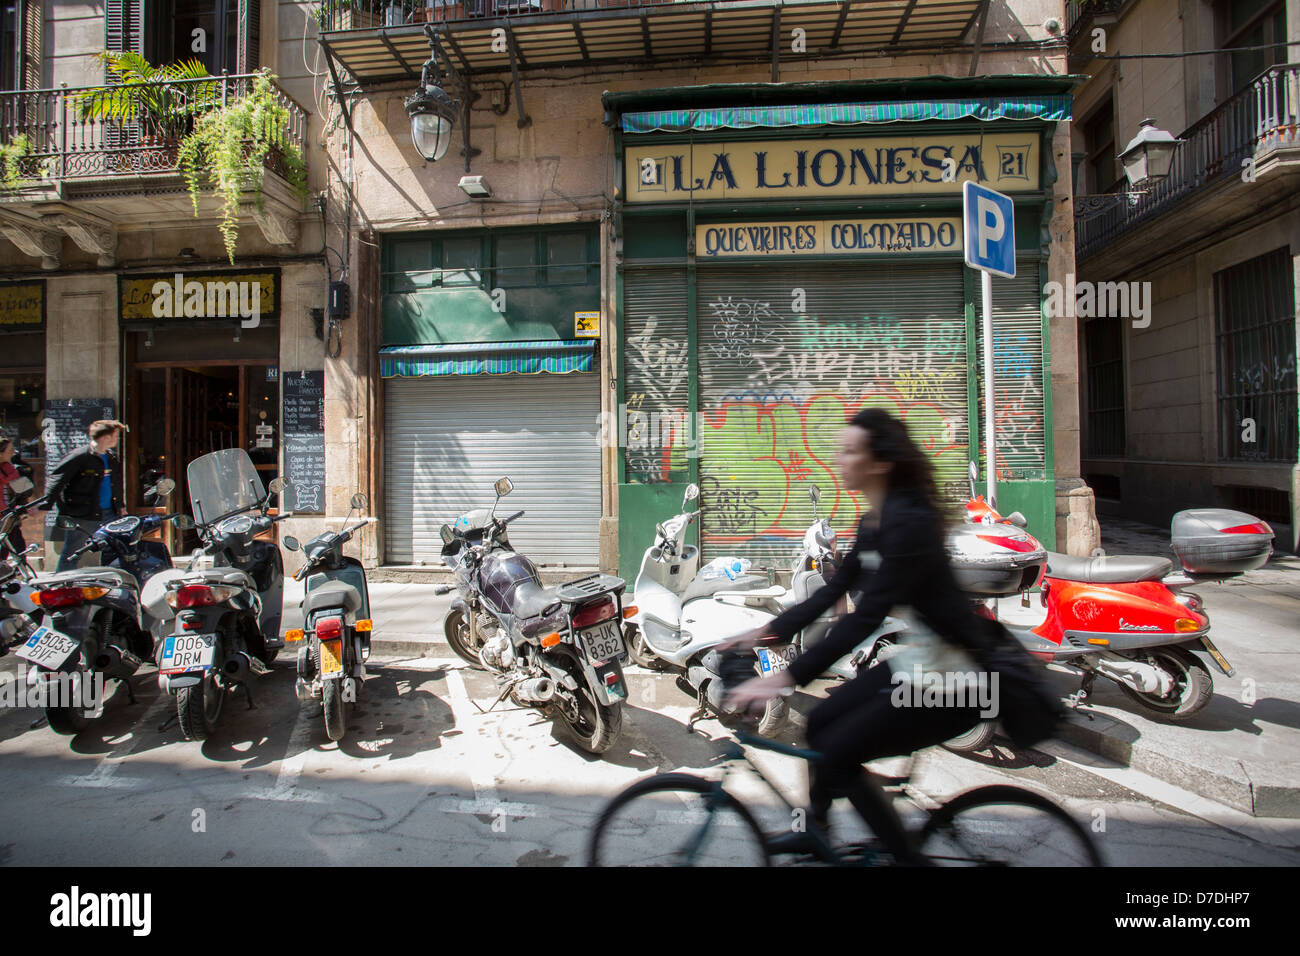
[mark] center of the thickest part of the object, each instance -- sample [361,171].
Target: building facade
[1190,397]
[711,231]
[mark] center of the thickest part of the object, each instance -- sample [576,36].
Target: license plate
[331,659]
[603,642]
[773,660]
[48,648]
[187,652]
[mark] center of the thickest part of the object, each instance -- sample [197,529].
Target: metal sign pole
[990,433]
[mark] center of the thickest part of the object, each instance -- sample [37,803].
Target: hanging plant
[228,150]
[12,155]
[153,97]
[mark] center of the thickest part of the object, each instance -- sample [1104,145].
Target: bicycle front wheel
[675,819]
[1005,826]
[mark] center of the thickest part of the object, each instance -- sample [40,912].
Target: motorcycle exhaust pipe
[240,668]
[113,661]
[536,690]
[1142,678]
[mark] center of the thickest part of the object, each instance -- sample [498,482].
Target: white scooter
[685,611]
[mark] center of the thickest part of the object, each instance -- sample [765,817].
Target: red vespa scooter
[1123,617]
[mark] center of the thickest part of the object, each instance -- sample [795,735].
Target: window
[1250,23]
[1102,163]
[1104,343]
[20,44]
[1254,305]
[221,34]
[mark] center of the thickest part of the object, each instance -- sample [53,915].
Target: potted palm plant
[157,102]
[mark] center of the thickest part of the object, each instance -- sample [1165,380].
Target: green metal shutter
[447,438]
[656,375]
[1017,374]
[776,387]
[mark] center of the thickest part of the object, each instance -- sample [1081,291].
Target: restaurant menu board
[64,431]
[303,439]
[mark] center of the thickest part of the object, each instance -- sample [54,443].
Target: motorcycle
[685,611]
[556,649]
[336,622]
[1127,618]
[19,615]
[93,625]
[217,629]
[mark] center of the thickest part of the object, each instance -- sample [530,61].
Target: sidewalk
[1242,750]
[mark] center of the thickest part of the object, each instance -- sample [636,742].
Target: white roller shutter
[448,438]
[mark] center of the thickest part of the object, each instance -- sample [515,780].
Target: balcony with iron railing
[57,144]
[1252,139]
[376,40]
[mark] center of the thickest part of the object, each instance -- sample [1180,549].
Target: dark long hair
[889,441]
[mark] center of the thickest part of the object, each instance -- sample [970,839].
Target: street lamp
[433,115]
[1149,154]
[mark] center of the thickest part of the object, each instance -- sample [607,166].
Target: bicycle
[997,825]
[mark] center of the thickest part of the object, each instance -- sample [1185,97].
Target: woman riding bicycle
[898,558]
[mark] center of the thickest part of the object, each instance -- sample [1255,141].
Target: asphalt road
[424,778]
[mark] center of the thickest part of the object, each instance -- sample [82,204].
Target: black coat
[73,486]
[900,562]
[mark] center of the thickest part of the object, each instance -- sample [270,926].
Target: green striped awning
[848,114]
[488,358]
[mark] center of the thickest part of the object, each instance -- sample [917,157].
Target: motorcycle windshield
[221,483]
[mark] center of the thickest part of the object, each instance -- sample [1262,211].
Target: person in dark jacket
[87,487]
[897,559]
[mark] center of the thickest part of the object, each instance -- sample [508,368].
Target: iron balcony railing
[61,136]
[1079,15]
[1263,117]
[333,15]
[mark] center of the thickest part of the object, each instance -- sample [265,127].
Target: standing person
[9,473]
[897,559]
[87,487]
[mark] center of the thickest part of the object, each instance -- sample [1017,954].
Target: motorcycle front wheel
[456,629]
[198,708]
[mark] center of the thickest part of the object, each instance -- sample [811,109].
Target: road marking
[484,784]
[104,776]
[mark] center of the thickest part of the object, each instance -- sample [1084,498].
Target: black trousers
[859,722]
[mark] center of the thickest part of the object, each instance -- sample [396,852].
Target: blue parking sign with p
[990,227]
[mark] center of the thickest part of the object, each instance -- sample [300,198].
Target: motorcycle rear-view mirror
[164,488]
[290,542]
[447,536]
[1017,519]
[32,549]
[503,487]
[278,485]
[815,494]
[359,501]
[184,522]
[692,492]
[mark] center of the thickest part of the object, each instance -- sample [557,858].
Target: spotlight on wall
[474,187]
[188,253]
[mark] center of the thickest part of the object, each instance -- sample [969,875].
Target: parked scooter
[19,615]
[557,649]
[685,611]
[1123,617]
[336,622]
[93,627]
[218,628]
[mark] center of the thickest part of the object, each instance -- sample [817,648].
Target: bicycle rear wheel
[675,819]
[1005,826]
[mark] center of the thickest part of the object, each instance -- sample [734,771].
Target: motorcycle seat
[531,599]
[332,594]
[1107,569]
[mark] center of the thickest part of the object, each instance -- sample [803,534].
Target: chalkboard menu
[66,421]
[303,439]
